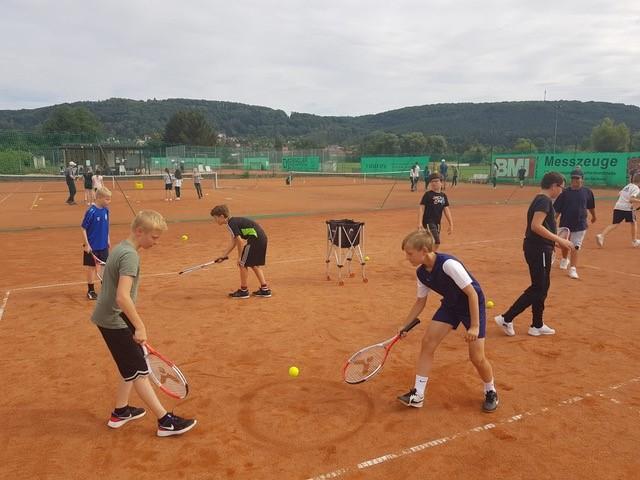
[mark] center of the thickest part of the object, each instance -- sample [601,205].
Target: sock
[421,385]
[489,386]
[166,417]
[121,410]
[264,286]
[90,287]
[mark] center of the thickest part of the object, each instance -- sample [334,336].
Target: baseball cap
[577,174]
[72,164]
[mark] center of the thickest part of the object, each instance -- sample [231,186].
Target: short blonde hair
[418,240]
[149,220]
[103,192]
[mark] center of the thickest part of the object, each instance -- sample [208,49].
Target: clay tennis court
[569,403]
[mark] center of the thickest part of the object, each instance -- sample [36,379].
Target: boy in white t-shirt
[625,209]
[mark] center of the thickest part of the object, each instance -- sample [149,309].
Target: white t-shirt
[415,172]
[623,203]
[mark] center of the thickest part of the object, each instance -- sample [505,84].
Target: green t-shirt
[123,261]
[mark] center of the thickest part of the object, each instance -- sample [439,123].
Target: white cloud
[331,57]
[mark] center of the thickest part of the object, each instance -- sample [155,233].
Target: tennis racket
[367,362]
[202,265]
[99,265]
[564,233]
[165,374]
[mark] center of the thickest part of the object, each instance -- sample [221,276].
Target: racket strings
[168,376]
[365,364]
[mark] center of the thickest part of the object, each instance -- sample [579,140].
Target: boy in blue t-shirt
[571,206]
[462,302]
[95,232]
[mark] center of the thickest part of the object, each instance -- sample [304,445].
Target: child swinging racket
[365,363]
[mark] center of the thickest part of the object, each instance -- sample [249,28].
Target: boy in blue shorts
[124,331]
[251,241]
[95,233]
[462,302]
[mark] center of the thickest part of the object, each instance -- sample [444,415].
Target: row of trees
[191,127]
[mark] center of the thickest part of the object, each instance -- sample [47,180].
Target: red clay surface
[570,404]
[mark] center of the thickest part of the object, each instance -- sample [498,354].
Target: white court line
[479,429]
[291,260]
[5,198]
[35,200]
[4,303]
[612,271]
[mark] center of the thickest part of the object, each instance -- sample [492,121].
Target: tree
[191,128]
[413,143]
[524,145]
[436,145]
[66,119]
[609,137]
[476,154]
[379,143]
[635,142]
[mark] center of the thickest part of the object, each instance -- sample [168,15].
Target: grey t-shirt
[123,260]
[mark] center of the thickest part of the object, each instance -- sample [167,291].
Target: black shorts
[127,354]
[628,216]
[254,253]
[434,229]
[168,186]
[87,258]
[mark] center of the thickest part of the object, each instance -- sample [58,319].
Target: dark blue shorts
[87,258]
[449,316]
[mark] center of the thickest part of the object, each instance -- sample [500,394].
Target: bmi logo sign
[509,166]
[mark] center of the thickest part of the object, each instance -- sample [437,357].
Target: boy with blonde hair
[95,233]
[123,330]
[462,302]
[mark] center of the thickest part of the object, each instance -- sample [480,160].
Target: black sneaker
[174,425]
[240,294]
[91,295]
[412,399]
[118,420]
[490,401]
[262,292]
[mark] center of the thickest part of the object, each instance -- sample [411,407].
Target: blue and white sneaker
[174,425]
[118,420]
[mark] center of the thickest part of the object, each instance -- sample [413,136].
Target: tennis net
[343,179]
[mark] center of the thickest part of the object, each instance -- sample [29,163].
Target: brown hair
[418,240]
[551,178]
[220,210]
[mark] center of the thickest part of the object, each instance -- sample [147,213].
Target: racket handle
[410,325]
[221,259]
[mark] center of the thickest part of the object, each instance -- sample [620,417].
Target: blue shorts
[453,318]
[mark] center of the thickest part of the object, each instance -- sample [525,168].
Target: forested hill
[488,123]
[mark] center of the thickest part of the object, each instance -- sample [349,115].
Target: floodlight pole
[555,130]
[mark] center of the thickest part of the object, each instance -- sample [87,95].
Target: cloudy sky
[329,57]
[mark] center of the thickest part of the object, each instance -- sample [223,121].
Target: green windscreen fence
[391,164]
[165,162]
[599,168]
[255,163]
[301,164]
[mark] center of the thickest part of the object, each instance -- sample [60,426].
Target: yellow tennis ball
[490,304]
[184,237]
[366,259]
[294,371]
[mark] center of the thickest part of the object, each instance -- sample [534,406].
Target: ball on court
[294,371]
[490,304]
[184,237]
[366,259]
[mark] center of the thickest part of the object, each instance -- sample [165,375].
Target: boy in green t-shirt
[124,331]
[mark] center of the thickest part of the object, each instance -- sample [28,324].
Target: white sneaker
[507,327]
[573,273]
[636,243]
[600,240]
[543,330]
[564,263]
